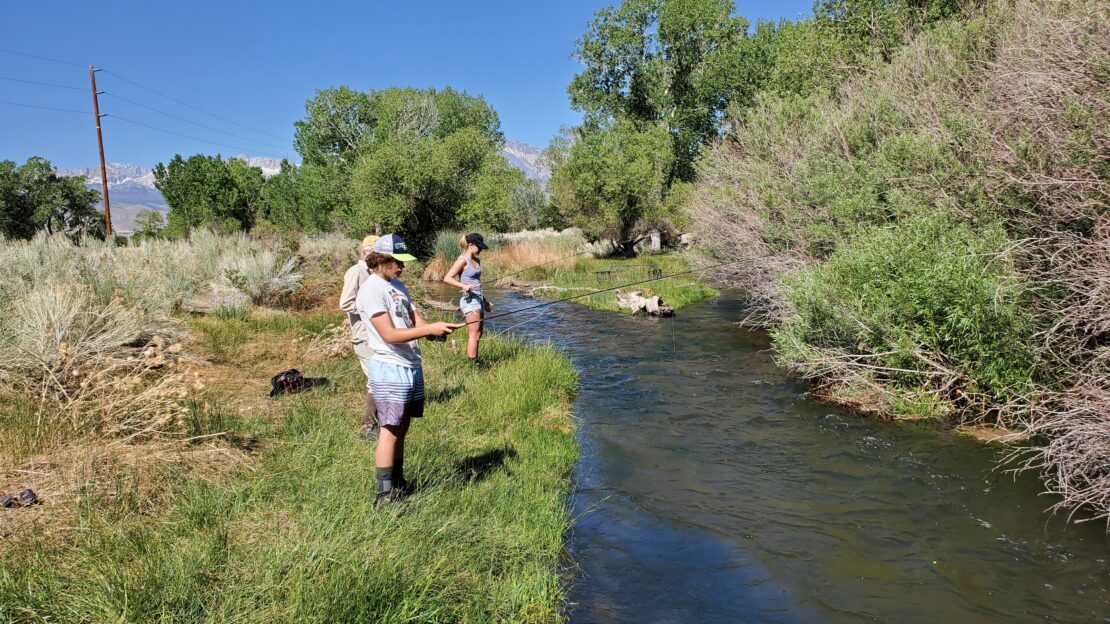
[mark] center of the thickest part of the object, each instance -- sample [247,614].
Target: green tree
[416,185]
[33,197]
[662,61]
[490,205]
[148,224]
[209,191]
[414,155]
[878,27]
[613,184]
[529,206]
[300,198]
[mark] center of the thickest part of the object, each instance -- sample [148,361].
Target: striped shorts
[398,392]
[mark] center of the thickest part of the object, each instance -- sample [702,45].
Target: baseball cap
[370,240]
[476,240]
[392,245]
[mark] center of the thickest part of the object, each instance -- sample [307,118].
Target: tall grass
[296,536]
[79,323]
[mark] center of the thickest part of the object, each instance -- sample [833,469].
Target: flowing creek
[713,488]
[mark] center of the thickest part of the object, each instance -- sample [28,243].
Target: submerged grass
[289,533]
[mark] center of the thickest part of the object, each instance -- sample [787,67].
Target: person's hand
[489,306]
[467,288]
[439,330]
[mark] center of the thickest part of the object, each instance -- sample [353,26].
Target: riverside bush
[929,305]
[929,232]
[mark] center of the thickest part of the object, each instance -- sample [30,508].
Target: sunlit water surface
[712,488]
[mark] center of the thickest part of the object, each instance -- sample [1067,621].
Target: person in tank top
[466,274]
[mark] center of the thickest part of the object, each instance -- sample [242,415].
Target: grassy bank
[587,274]
[557,265]
[254,510]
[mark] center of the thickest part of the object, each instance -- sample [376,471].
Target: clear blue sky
[255,63]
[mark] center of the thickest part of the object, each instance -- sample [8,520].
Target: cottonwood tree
[207,191]
[34,198]
[613,183]
[668,62]
[415,156]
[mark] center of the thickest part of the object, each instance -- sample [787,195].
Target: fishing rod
[597,292]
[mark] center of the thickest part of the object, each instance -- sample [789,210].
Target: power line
[53,108]
[189,121]
[44,84]
[196,108]
[139,123]
[41,58]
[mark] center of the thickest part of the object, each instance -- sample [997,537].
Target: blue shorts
[471,302]
[398,392]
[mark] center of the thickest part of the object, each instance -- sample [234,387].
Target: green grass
[294,536]
[598,274]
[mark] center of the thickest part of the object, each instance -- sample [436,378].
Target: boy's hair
[375,259]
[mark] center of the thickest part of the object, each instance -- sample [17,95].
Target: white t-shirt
[377,295]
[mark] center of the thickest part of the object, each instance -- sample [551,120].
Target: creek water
[713,488]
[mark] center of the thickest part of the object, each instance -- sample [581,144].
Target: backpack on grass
[293,381]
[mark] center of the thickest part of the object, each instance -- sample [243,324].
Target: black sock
[385,479]
[399,471]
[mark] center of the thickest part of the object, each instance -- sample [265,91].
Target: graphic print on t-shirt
[401,309]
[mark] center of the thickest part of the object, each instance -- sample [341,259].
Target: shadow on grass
[478,467]
[443,394]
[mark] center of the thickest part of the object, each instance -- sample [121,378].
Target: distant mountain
[131,187]
[270,166]
[527,158]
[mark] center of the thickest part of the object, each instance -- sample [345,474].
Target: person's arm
[417,318]
[396,335]
[455,270]
[349,292]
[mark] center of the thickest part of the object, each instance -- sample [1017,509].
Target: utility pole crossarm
[100,146]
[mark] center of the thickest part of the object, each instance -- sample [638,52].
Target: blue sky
[255,64]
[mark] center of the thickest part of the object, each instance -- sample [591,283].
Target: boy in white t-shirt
[396,374]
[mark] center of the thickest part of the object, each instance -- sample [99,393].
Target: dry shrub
[329,251]
[95,365]
[1048,102]
[512,258]
[435,269]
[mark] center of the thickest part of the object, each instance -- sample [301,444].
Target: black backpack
[293,381]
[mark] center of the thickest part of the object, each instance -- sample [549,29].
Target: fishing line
[603,290]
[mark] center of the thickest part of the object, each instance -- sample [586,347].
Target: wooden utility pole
[103,167]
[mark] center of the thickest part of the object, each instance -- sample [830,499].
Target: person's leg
[368,427]
[399,458]
[384,456]
[414,408]
[473,334]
